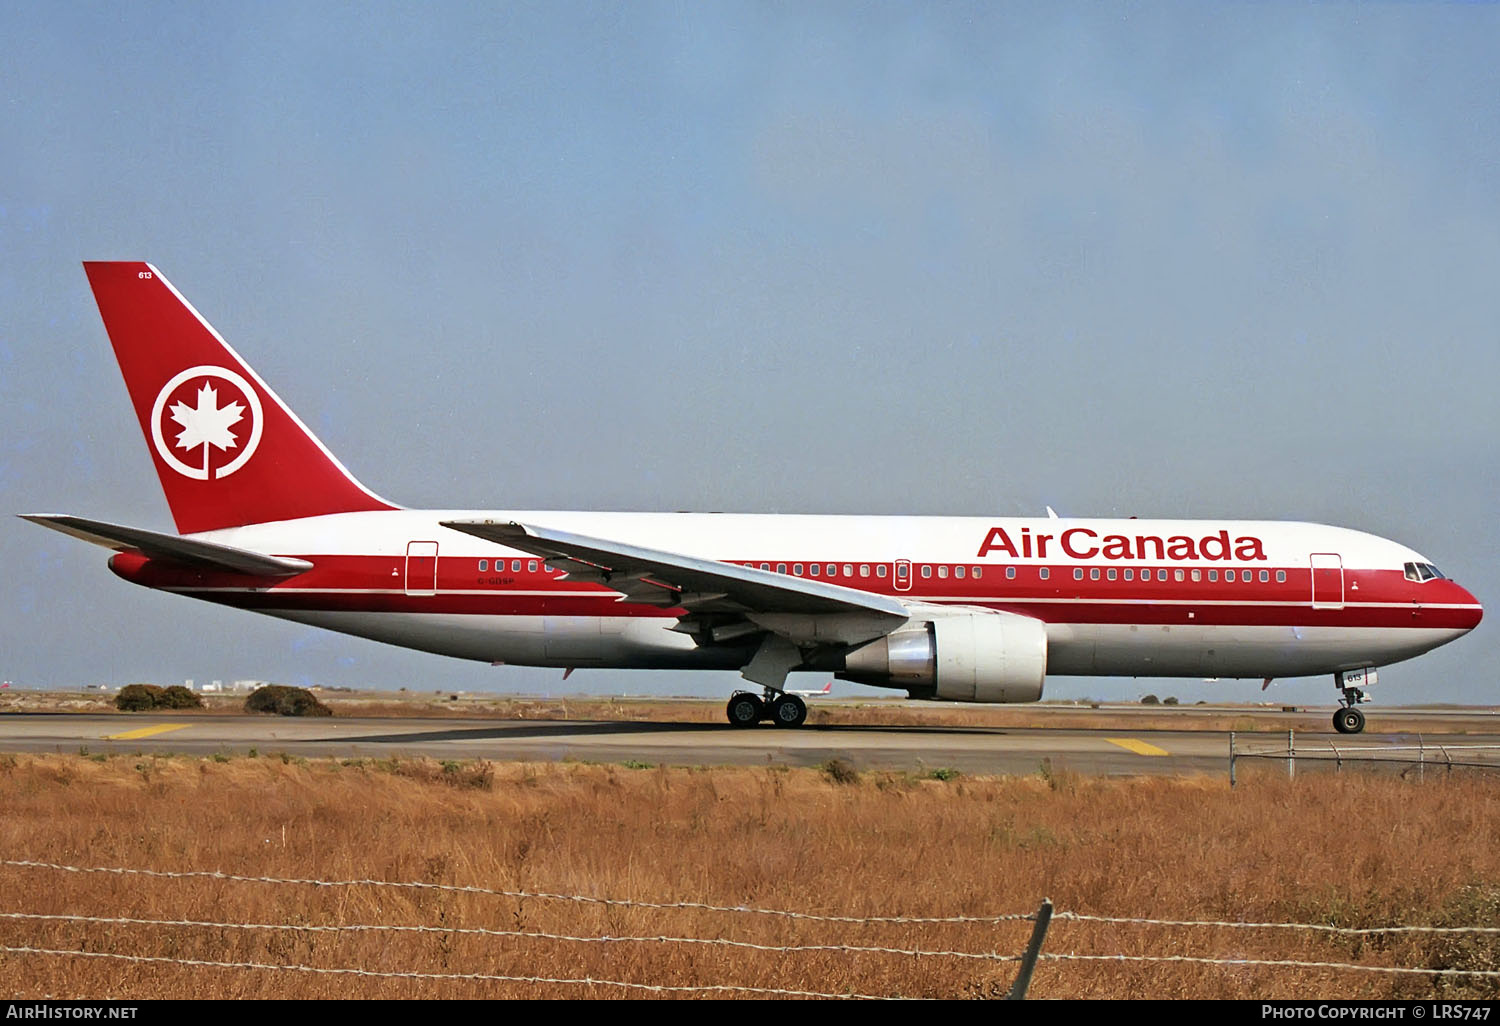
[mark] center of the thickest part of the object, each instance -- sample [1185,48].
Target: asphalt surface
[975,750]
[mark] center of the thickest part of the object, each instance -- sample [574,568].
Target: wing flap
[169,546]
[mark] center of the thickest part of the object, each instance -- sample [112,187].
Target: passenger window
[797,569]
[1265,575]
[484,565]
[864,569]
[1281,577]
[1010,573]
[958,572]
[1113,573]
[926,571]
[1213,575]
[781,568]
[1044,573]
[1197,575]
[879,569]
[979,572]
[1078,573]
[833,569]
[1161,575]
[515,566]
[1176,575]
[765,566]
[1129,574]
[848,569]
[1094,573]
[943,572]
[812,568]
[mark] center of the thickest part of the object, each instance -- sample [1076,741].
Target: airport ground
[885,829]
[870,734]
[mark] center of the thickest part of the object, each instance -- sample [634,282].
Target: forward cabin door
[1327,580]
[421,567]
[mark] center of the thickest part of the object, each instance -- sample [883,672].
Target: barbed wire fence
[1323,753]
[1024,962]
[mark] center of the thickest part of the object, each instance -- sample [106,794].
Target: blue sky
[1157,259]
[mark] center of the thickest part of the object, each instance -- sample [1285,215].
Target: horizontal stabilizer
[153,545]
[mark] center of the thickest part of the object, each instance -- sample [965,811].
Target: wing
[170,546]
[723,603]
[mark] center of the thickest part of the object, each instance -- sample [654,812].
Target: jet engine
[963,657]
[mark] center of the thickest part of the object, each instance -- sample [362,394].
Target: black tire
[1348,720]
[745,710]
[788,711]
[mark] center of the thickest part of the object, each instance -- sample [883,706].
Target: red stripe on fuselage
[1372,598]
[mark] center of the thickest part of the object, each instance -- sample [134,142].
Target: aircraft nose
[1473,615]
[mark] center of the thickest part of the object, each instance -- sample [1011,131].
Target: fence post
[1231,758]
[1421,759]
[1291,756]
[1033,949]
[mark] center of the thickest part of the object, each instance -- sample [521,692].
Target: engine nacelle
[964,657]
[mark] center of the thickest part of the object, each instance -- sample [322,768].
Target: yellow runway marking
[1138,747]
[160,728]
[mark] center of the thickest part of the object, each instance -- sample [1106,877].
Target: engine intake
[965,657]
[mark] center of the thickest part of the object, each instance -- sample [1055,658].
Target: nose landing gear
[1347,719]
[746,709]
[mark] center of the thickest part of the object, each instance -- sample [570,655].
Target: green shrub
[286,701]
[1150,700]
[179,697]
[138,697]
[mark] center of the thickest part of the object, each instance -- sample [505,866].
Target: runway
[971,750]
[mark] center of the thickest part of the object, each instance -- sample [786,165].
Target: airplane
[826,689]
[964,609]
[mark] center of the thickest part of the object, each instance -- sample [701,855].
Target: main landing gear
[746,709]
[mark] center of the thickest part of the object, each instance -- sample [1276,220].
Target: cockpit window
[1422,572]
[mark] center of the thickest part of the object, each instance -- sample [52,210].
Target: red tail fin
[227,450]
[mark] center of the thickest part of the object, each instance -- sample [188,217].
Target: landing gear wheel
[1348,720]
[745,710]
[788,711]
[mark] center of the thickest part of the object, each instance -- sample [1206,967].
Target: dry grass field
[1352,850]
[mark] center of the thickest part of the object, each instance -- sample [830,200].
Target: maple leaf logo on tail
[207,424]
[212,430]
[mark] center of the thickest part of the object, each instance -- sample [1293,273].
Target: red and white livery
[958,608]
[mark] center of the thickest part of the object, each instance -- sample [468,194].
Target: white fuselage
[1117,597]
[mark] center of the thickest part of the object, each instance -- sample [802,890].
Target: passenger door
[421,567]
[1327,580]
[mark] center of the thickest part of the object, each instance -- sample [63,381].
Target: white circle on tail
[226,428]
